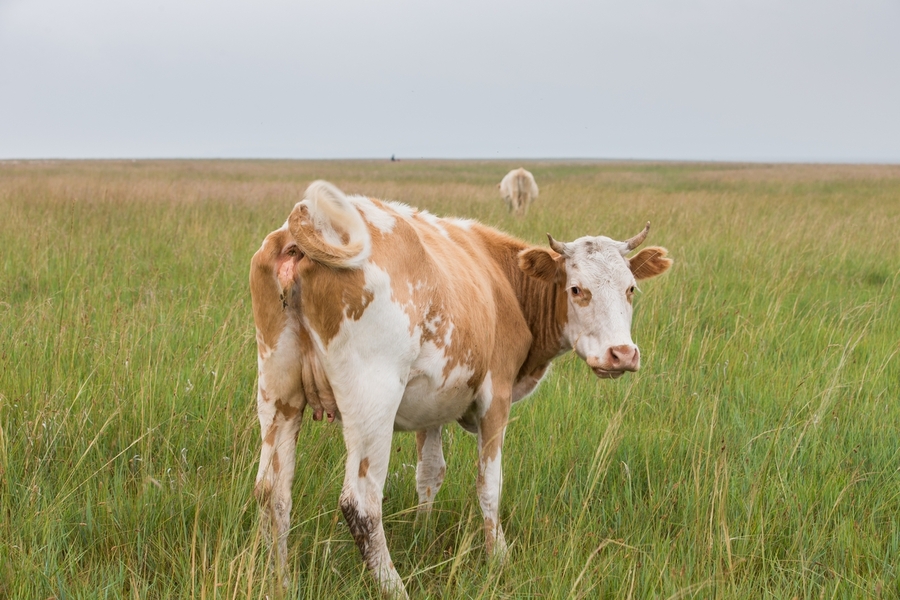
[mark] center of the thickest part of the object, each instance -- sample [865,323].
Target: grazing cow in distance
[519,190]
[389,318]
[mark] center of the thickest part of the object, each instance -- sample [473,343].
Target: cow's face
[598,283]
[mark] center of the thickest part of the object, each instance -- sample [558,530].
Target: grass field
[755,455]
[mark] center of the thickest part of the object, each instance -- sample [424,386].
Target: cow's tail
[329,229]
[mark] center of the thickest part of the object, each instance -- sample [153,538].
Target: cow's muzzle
[617,361]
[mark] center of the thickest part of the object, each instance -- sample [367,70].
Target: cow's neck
[544,308]
[543,305]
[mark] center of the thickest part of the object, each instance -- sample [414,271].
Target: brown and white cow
[390,318]
[519,190]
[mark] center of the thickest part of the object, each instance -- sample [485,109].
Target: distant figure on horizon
[393,158]
[519,190]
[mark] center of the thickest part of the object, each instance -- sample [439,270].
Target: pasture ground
[756,454]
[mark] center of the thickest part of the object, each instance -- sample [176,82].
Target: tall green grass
[756,454]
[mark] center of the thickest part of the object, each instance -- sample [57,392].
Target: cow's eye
[631,290]
[576,291]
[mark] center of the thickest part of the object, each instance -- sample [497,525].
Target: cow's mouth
[606,373]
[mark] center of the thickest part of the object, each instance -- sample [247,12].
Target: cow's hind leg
[280,424]
[430,468]
[368,430]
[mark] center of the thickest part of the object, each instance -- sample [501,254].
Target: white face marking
[602,319]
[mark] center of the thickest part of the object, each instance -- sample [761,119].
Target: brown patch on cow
[357,306]
[421,436]
[428,491]
[649,262]
[289,411]
[329,296]
[489,534]
[270,435]
[364,467]
[276,463]
[265,396]
[583,298]
[265,290]
[493,425]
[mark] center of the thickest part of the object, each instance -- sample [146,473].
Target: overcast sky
[787,80]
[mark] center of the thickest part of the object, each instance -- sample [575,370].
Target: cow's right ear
[542,264]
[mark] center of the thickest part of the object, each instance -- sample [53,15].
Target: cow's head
[598,282]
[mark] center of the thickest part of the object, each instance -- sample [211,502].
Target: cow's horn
[637,240]
[558,247]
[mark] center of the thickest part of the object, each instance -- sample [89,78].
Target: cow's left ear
[542,264]
[649,262]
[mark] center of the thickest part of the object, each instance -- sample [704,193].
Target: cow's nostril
[623,356]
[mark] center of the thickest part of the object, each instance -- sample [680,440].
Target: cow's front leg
[430,468]
[280,425]
[491,429]
[367,435]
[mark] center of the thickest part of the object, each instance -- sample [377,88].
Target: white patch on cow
[489,497]
[261,346]
[485,395]
[265,409]
[461,223]
[389,349]
[431,396]
[448,337]
[379,218]
[404,210]
[435,222]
